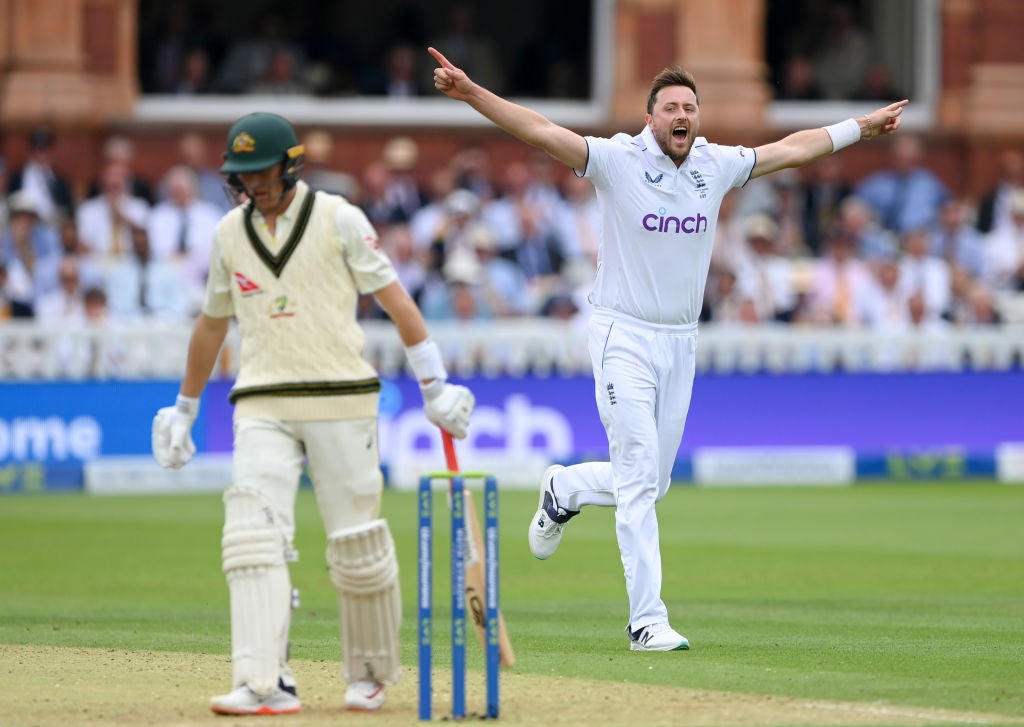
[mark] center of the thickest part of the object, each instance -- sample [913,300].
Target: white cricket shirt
[658,222]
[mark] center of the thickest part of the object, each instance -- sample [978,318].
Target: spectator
[429,219]
[462,211]
[193,153]
[520,204]
[282,76]
[725,302]
[400,155]
[120,150]
[843,55]
[373,197]
[839,284]
[578,220]
[195,77]
[730,246]
[165,45]
[105,220]
[456,293]
[502,282]
[65,305]
[798,82]
[877,86]
[30,252]
[923,273]
[318,170]
[467,49]
[767,277]
[994,208]
[398,78]
[409,263]
[247,60]
[4,214]
[929,350]
[824,191]
[472,169]
[907,195]
[141,285]
[182,227]
[884,307]
[71,246]
[872,242]
[50,192]
[1004,249]
[956,241]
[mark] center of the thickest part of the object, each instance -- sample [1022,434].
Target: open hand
[449,80]
[883,121]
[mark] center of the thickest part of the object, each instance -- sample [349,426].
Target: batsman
[289,264]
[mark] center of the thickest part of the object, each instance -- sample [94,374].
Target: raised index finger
[445,63]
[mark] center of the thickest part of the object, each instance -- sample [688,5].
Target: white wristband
[425,361]
[843,134]
[187,405]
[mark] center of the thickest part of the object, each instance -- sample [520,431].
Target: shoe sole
[685,646]
[262,711]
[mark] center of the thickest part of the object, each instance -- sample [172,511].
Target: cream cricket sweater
[294,295]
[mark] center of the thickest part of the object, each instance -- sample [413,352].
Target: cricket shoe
[656,637]
[364,696]
[547,525]
[283,700]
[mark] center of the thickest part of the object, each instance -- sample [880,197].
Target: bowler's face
[675,121]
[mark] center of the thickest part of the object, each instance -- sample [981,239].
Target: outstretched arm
[805,146]
[567,146]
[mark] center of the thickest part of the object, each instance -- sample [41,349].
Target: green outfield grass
[907,594]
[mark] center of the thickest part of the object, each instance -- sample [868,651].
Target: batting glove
[172,433]
[449,406]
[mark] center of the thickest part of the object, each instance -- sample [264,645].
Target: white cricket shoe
[546,527]
[245,701]
[657,637]
[364,696]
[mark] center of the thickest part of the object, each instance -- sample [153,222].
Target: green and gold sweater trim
[308,388]
[277,262]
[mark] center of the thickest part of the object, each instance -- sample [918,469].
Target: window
[829,59]
[324,61]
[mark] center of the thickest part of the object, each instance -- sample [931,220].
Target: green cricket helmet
[259,141]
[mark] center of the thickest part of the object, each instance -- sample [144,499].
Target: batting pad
[253,549]
[364,569]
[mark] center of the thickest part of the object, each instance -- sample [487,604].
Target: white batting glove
[449,406]
[172,433]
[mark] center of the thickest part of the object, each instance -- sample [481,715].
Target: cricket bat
[476,579]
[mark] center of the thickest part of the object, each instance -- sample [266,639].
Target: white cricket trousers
[643,378]
[344,465]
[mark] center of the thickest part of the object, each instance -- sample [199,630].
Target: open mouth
[680,132]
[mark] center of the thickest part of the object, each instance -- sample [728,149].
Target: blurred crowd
[893,251]
[190,48]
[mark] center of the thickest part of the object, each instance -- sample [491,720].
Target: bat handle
[451,461]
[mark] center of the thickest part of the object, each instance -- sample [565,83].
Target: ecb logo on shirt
[664,222]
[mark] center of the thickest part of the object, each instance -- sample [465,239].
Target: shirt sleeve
[371,269]
[737,162]
[603,156]
[218,302]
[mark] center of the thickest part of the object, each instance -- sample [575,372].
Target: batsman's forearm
[203,349]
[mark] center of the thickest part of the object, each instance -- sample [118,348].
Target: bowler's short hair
[674,76]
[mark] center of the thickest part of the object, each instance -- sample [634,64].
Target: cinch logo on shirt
[687,225]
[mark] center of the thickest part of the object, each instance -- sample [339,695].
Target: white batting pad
[364,569]
[253,549]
